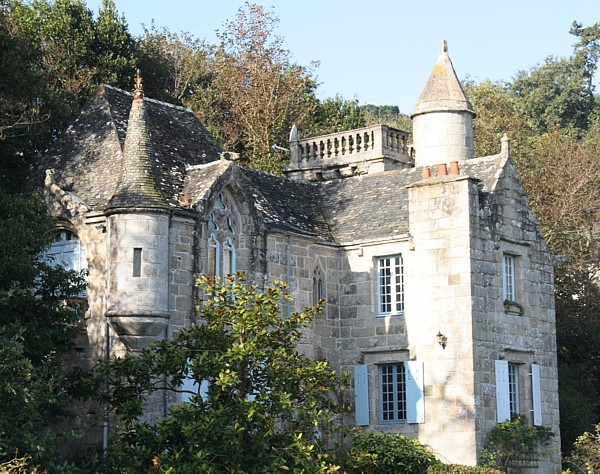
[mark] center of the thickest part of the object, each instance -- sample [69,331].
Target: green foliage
[578,405]
[259,91]
[37,325]
[114,48]
[374,452]
[459,469]
[175,67]
[336,114]
[386,115]
[585,456]
[53,55]
[268,408]
[510,440]
[498,112]
[560,92]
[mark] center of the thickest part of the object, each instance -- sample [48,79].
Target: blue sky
[382,51]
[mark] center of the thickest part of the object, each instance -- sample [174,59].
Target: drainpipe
[106,389]
[168,327]
[105,421]
[288,276]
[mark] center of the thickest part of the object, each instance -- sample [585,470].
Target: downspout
[106,390]
[105,421]
[168,327]
[288,276]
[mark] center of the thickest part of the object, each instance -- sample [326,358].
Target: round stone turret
[138,222]
[443,117]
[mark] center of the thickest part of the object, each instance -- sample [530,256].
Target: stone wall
[439,301]
[523,335]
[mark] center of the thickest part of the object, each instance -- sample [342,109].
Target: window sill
[385,315]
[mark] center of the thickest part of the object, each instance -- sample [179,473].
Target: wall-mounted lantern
[442,339]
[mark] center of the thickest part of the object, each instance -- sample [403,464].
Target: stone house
[439,284]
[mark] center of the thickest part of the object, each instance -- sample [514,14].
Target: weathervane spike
[138,91]
[444,47]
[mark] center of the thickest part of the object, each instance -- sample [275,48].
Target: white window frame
[66,249]
[509,277]
[392,393]
[229,248]
[511,385]
[513,389]
[390,285]
[414,392]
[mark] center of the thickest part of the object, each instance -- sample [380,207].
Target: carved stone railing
[362,145]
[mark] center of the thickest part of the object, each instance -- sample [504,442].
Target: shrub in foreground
[375,452]
[460,469]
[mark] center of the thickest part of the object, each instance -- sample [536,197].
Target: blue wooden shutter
[537,394]
[361,395]
[502,393]
[415,399]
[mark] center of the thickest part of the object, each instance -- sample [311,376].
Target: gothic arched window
[222,238]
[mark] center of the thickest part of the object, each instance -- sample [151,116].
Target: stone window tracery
[222,239]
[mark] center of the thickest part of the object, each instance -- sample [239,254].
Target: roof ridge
[149,99]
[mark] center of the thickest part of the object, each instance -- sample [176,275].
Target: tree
[387,115]
[560,92]
[585,457]
[53,55]
[114,48]
[37,325]
[67,35]
[267,408]
[23,115]
[256,93]
[175,66]
[499,112]
[335,114]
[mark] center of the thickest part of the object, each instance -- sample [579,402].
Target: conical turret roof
[443,91]
[137,187]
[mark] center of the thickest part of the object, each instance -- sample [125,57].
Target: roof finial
[138,90]
[444,47]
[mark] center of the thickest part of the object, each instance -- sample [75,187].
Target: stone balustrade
[343,149]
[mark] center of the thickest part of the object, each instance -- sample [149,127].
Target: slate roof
[87,157]
[287,205]
[137,186]
[368,207]
[188,168]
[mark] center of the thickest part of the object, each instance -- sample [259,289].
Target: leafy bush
[585,457]
[264,400]
[460,469]
[510,440]
[375,452]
